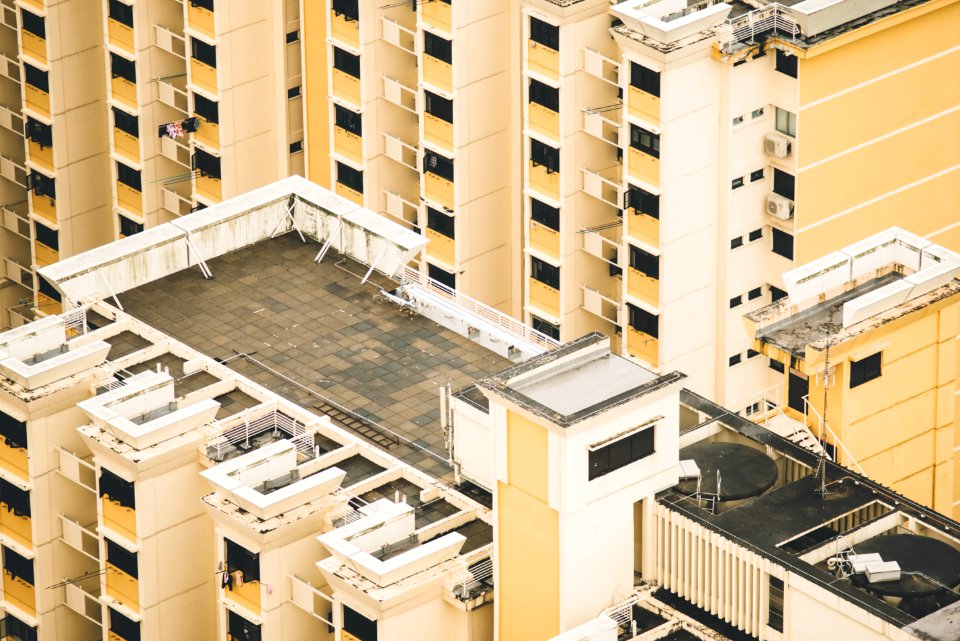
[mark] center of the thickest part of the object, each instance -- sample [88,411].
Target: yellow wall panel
[527,456]
[317,112]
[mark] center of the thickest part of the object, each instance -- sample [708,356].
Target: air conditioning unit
[779,207]
[777,145]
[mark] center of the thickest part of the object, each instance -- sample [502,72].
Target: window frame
[438,106]
[544,214]
[122,12]
[437,47]
[447,279]
[779,238]
[207,164]
[784,184]
[350,177]
[542,154]
[203,52]
[125,122]
[346,62]
[543,272]
[786,122]
[438,165]
[349,9]
[116,488]
[206,105]
[545,327]
[544,95]
[603,459]
[644,262]
[642,201]
[128,226]
[441,223]
[129,176]
[645,141]
[787,64]
[36,77]
[544,33]
[645,79]
[866,369]
[35,24]
[643,321]
[48,237]
[39,132]
[120,67]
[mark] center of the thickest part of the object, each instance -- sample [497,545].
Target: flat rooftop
[317,336]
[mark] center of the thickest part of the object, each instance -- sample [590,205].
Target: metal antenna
[822,467]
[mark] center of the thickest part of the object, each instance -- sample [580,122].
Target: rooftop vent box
[689,470]
[883,571]
[777,145]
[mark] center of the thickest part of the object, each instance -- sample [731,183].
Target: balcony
[84,603]
[346,88]
[643,227]
[603,185]
[37,100]
[208,134]
[438,73]
[439,190]
[174,202]
[33,46]
[129,199]
[438,131]
[120,36]
[598,65]
[602,242]
[44,208]
[544,297]
[82,539]
[403,152]
[400,208]
[11,120]
[169,41]
[313,601]
[121,587]
[124,92]
[8,14]
[119,519]
[598,123]
[643,106]
[440,247]
[398,35]
[544,181]
[400,94]
[15,221]
[10,68]
[345,30]
[201,20]
[13,171]
[600,305]
[40,155]
[350,194]
[543,120]
[22,275]
[643,167]
[246,595]
[203,77]
[19,593]
[543,60]
[45,255]
[348,144]
[643,346]
[175,150]
[209,188]
[126,145]
[172,96]
[17,528]
[643,287]
[437,14]
[544,239]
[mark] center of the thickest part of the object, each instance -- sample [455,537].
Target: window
[545,34]
[14,432]
[738,121]
[129,227]
[645,263]
[346,62]
[349,9]
[756,113]
[439,106]
[642,202]
[645,141]
[18,566]
[776,365]
[545,214]
[783,184]
[756,234]
[775,600]
[129,176]
[786,122]
[437,47]
[15,499]
[48,290]
[440,222]
[117,490]
[240,559]
[122,559]
[442,276]
[125,628]
[544,327]
[756,175]
[120,67]
[542,154]
[203,4]
[755,293]
[201,51]
[736,242]
[207,109]
[292,37]
[543,94]
[122,13]
[125,122]
[751,353]
[545,273]
[776,293]
[735,360]
[296,147]
[434,163]
[622,452]
[42,185]
[47,236]
[40,133]
[293,92]
[736,301]
[33,23]
[239,629]
[36,78]
[643,321]
[645,79]
[350,177]
[736,183]
[864,370]
[358,626]
[16,630]
[207,164]
[786,64]
[782,243]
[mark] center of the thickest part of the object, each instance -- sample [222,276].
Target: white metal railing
[12,120]
[107,384]
[18,272]
[598,65]
[399,94]
[175,203]
[13,171]
[403,152]
[75,319]
[599,126]
[82,602]
[773,17]
[243,427]
[81,539]
[312,601]
[170,95]
[398,35]
[16,222]
[410,276]
[10,68]
[595,184]
[170,41]
[77,470]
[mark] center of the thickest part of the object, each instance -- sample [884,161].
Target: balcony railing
[773,18]
[9,17]
[603,241]
[175,203]
[80,538]
[9,68]
[170,41]
[82,602]
[597,123]
[400,94]
[175,151]
[601,187]
[16,222]
[398,35]
[13,171]
[598,65]
[77,470]
[403,209]
[18,272]
[312,601]
[172,96]
[403,152]
[11,120]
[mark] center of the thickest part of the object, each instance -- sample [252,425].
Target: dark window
[775,595]
[786,64]
[292,37]
[207,109]
[346,62]
[439,106]
[47,236]
[129,227]
[45,288]
[786,122]
[545,214]
[545,273]
[545,34]
[736,183]
[736,242]
[206,164]
[734,360]
[36,78]
[776,365]
[349,120]
[15,499]
[349,9]
[755,293]
[543,94]
[642,202]
[200,50]
[752,353]
[645,79]
[798,387]
[736,301]
[33,23]
[239,629]
[14,629]
[14,432]
[645,263]
[545,155]
[42,185]
[783,183]
[203,4]
[358,625]
[116,489]
[350,177]
[442,276]
[40,133]
[296,147]
[434,163]
[866,369]
[646,141]
[126,123]
[239,558]
[544,327]
[19,566]
[756,175]
[621,453]
[437,47]
[120,67]
[756,234]
[293,92]
[776,293]
[123,13]
[643,321]
[129,176]
[122,559]
[440,222]
[125,628]
[782,243]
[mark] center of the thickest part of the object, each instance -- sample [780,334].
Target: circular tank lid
[744,471]
[938,562]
